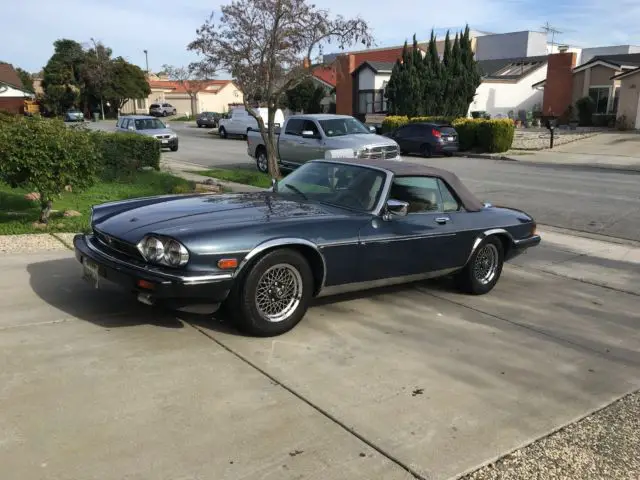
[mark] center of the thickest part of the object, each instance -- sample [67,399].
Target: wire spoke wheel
[279,292]
[486,264]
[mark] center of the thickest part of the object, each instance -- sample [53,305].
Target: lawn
[17,214]
[240,175]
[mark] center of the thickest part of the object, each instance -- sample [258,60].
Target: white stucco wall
[498,98]
[368,80]
[219,102]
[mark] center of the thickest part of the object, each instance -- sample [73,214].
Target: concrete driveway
[409,382]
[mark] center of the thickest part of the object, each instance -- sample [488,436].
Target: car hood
[361,140]
[157,131]
[192,214]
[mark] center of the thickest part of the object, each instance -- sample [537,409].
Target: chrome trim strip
[283,242]
[384,282]
[183,279]
[485,234]
[402,239]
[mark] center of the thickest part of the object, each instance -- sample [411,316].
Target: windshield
[346,186]
[149,124]
[338,127]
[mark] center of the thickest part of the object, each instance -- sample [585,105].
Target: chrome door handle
[442,220]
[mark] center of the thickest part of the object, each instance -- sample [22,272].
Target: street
[588,199]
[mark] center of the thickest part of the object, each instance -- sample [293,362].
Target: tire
[174,148]
[448,154]
[249,311]
[199,126]
[164,113]
[489,260]
[425,150]
[261,160]
[222,132]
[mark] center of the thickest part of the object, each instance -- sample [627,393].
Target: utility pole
[95,47]
[548,29]
[146,59]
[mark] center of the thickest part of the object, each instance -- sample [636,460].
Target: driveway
[406,382]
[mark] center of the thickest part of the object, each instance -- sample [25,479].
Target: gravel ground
[539,140]
[36,242]
[603,446]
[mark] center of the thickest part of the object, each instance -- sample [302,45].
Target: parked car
[240,122]
[427,139]
[150,126]
[308,137]
[73,115]
[162,109]
[330,226]
[208,119]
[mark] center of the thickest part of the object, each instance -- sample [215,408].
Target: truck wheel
[222,132]
[275,294]
[261,160]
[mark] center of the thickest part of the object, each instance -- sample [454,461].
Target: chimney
[563,48]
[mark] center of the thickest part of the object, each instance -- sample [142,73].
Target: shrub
[432,119]
[586,108]
[467,129]
[47,156]
[604,120]
[390,123]
[495,136]
[123,154]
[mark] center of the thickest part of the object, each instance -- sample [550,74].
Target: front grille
[383,152]
[163,136]
[117,248]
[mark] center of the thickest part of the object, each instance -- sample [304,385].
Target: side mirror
[372,129]
[308,134]
[397,208]
[131,128]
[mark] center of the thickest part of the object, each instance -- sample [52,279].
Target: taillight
[436,133]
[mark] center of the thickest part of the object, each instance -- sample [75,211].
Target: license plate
[450,139]
[165,141]
[91,272]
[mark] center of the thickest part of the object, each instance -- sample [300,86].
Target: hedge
[491,136]
[123,154]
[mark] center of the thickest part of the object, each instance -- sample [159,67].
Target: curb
[595,166]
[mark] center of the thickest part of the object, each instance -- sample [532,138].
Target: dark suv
[427,139]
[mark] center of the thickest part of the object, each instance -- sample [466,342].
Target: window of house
[600,96]
[140,103]
[422,193]
[449,201]
[372,101]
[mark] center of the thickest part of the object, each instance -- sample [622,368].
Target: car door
[288,142]
[310,148]
[404,137]
[419,243]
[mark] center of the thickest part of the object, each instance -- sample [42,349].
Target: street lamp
[95,47]
[146,59]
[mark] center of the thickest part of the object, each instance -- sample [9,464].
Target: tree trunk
[270,143]
[45,210]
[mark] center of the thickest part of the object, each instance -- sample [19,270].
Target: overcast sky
[164,28]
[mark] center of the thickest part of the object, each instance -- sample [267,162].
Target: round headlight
[175,254]
[153,249]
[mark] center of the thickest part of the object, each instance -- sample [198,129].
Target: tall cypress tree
[416,80]
[448,92]
[472,76]
[456,80]
[432,87]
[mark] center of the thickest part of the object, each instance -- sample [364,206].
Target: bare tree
[267,47]
[192,79]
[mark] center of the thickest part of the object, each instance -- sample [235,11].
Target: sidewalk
[185,170]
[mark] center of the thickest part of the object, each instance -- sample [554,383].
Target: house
[506,85]
[12,91]
[628,113]
[370,81]
[599,78]
[213,96]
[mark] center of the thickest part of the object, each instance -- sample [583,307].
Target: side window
[422,193]
[294,127]
[449,201]
[403,132]
[119,122]
[310,125]
[125,123]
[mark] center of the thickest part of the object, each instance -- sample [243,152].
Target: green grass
[17,214]
[246,177]
[183,118]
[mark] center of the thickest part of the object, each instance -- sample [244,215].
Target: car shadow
[59,283]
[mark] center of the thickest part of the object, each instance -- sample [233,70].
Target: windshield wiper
[297,190]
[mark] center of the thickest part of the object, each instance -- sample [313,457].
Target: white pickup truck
[309,137]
